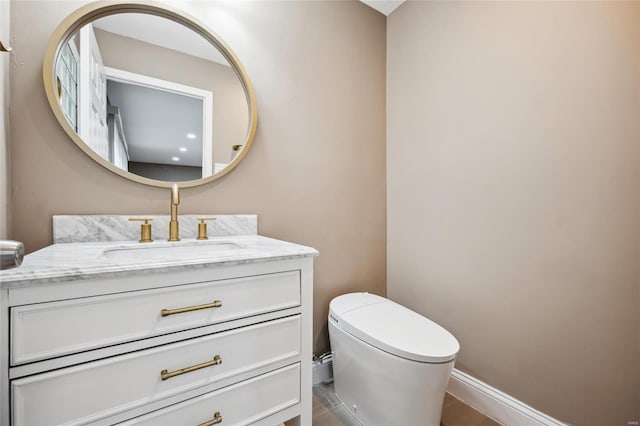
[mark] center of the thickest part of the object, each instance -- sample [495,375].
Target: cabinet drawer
[99,389]
[240,404]
[48,330]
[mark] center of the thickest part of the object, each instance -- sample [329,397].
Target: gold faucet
[174,233]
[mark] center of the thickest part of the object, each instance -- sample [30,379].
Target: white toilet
[390,365]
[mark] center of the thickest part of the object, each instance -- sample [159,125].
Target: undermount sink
[191,250]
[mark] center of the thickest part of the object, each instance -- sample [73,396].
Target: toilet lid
[393,328]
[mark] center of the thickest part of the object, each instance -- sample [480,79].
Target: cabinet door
[241,404]
[99,389]
[47,330]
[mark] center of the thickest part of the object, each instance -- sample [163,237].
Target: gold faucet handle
[202,227]
[145,228]
[140,219]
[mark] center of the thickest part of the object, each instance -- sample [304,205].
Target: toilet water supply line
[322,368]
[323,359]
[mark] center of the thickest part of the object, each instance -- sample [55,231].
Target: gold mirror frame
[101,9]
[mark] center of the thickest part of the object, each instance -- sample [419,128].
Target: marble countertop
[74,261]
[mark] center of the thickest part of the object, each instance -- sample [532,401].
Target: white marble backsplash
[97,228]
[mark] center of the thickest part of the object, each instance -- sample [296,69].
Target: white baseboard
[496,404]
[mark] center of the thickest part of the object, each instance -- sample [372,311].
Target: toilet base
[380,389]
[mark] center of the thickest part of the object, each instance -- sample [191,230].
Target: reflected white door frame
[92,102]
[206,96]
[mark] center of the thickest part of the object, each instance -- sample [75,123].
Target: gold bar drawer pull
[217,419]
[167,312]
[165,374]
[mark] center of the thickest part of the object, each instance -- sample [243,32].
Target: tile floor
[328,410]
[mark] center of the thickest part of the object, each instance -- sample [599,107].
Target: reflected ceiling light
[183,149]
[191,135]
[175,158]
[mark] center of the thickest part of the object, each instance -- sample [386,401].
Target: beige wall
[230,111]
[513,194]
[315,174]
[4,121]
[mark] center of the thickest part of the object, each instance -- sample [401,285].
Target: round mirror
[150,93]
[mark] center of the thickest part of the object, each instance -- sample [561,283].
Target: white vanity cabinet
[209,343]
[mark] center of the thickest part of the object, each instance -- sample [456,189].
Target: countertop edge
[43,274]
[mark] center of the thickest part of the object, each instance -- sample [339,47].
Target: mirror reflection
[152,97]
